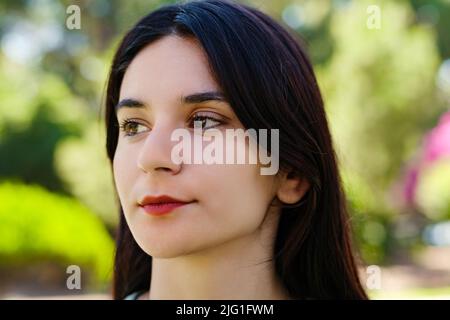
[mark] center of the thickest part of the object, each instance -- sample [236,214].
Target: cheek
[251,191]
[236,194]
[125,172]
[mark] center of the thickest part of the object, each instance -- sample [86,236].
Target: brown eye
[207,122]
[131,128]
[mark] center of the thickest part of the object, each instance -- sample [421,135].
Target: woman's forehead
[169,68]
[170,57]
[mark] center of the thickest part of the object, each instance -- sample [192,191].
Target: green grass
[418,293]
[37,225]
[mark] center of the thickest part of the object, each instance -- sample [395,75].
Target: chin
[163,249]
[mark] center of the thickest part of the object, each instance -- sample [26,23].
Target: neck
[239,269]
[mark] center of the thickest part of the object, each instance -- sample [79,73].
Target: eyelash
[200,117]
[197,117]
[123,126]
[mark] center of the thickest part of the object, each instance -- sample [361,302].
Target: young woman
[223,231]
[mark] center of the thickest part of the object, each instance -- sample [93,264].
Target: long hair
[269,81]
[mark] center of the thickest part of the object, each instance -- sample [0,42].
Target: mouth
[161,205]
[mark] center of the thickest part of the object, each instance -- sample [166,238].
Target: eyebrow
[198,97]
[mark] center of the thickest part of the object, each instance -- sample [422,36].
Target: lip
[161,205]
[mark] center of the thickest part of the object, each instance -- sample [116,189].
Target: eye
[207,120]
[131,127]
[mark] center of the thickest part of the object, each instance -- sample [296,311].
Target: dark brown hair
[269,82]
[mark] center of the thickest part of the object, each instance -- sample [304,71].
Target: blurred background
[383,68]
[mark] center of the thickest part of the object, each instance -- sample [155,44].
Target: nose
[155,153]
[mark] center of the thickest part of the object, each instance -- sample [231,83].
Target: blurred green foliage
[37,225]
[433,195]
[37,111]
[378,104]
[76,159]
[379,91]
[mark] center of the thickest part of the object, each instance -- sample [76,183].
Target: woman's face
[230,201]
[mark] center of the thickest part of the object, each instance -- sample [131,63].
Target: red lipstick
[160,205]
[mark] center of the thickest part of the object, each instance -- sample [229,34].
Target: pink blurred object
[436,146]
[409,187]
[437,142]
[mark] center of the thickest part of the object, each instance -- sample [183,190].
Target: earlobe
[292,188]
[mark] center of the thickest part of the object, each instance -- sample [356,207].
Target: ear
[292,188]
